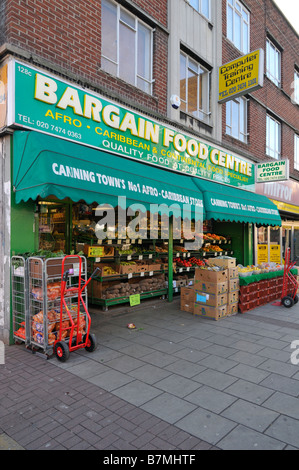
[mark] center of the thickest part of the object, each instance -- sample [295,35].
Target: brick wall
[265,19]
[67,33]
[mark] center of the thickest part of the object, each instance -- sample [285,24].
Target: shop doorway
[54,227]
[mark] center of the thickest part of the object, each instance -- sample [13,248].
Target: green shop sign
[47,104]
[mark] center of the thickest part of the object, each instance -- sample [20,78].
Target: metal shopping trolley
[290,284]
[74,322]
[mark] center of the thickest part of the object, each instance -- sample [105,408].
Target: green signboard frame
[43,102]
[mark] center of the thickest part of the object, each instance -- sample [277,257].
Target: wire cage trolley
[290,284]
[74,322]
[44,289]
[19,300]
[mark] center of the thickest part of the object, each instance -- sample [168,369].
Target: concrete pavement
[176,382]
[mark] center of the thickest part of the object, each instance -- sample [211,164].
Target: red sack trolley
[290,284]
[74,325]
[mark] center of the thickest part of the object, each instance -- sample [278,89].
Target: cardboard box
[225,262]
[233,285]
[212,287]
[53,267]
[233,273]
[206,275]
[127,268]
[215,313]
[233,297]
[187,299]
[154,267]
[103,265]
[212,300]
[232,309]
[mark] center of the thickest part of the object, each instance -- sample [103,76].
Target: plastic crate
[248,289]
[244,298]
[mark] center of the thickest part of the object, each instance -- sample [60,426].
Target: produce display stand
[141,264]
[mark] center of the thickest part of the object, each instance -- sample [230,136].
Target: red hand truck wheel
[61,351]
[288,301]
[91,344]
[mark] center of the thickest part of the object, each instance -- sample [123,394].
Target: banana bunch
[127,263]
[108,271]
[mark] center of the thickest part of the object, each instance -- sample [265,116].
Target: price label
[140,257]
[130,275]
[129,257]
[142,274]
[150,256]
[151,273]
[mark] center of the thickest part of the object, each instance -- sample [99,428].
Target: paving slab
[244,438]
[250,415]
[168,407]
[249,391]
[211,399]
[206,425]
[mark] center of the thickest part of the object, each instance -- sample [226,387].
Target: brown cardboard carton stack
[233,285]
[211,293]
[187,299]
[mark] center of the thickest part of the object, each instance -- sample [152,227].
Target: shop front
[271,243]
[141,201]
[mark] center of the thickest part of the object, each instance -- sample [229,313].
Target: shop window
[273,69]
[238,25]
[236,118]
[202,6]
[194,88]
[273,140]
[127,45]
[296,153]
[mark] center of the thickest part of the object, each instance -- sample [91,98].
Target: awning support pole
[170,260]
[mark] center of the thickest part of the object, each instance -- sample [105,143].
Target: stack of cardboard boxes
[215,293]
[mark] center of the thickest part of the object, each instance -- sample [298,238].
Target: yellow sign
[275,253]
[262,254]
[95,251]
[241,76]
[282,206]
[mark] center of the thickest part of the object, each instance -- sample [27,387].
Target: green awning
[223,202]
[47,166]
